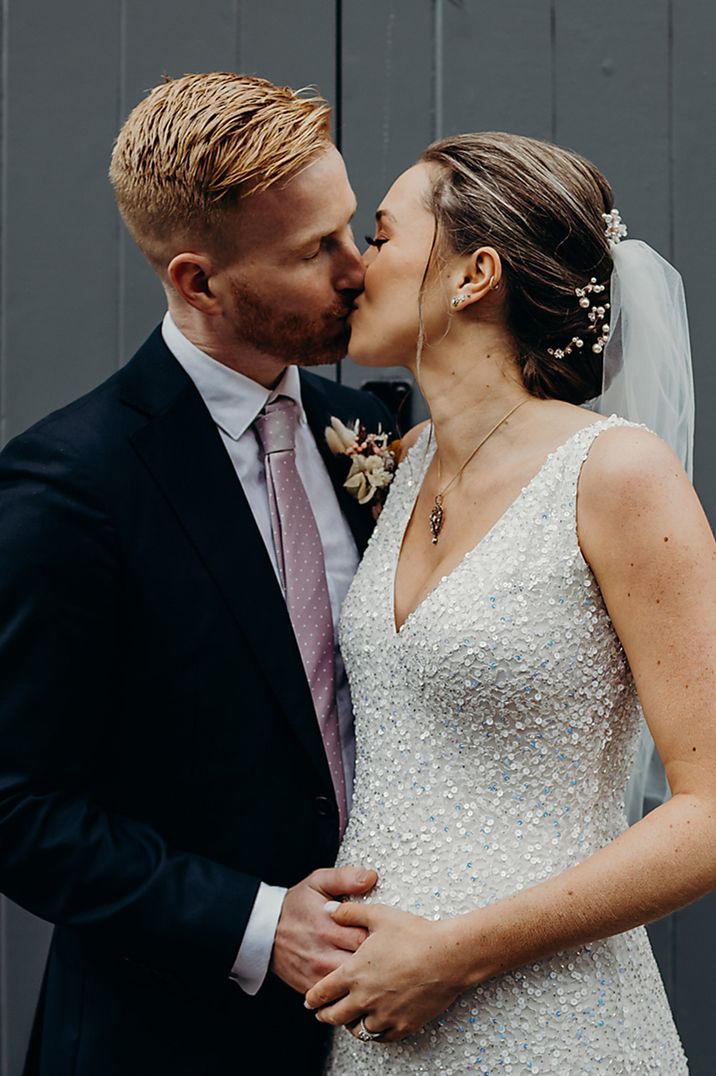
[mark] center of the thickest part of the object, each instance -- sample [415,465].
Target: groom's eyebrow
[317,236]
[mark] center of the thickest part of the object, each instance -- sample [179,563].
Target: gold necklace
[437,513]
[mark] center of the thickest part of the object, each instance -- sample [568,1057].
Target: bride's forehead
[409,193]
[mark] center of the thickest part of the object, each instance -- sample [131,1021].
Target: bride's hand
[405,973]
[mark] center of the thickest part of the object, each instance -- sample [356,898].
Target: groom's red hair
[196,145]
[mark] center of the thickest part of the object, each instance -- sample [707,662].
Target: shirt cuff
[254,956]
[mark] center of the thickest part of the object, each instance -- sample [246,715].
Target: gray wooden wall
[629,83]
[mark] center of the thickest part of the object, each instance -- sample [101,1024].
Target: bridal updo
[541,208]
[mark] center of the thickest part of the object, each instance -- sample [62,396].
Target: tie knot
[276,426]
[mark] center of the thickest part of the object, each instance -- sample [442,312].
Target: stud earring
[456,300]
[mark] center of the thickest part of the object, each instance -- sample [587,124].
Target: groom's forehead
[298,212]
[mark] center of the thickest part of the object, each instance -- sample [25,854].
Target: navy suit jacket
[159,751]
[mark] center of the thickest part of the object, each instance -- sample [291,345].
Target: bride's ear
[481,274]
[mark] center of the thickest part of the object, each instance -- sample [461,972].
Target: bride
[535,566]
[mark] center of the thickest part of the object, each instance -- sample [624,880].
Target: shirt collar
[232,399]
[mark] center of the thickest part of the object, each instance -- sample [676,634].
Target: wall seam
[553,68]
[4,1035]
[670,131]
[237,35]
[121,241]
[438,72]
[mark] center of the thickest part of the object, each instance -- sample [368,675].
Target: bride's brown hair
[541,208]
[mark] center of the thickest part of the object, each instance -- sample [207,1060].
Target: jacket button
[323,806]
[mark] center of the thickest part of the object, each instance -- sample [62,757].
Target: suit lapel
[182,449]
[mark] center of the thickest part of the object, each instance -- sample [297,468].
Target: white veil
[648,379]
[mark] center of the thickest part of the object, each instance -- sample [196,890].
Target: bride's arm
[648,543]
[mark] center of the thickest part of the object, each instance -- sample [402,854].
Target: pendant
[436,518]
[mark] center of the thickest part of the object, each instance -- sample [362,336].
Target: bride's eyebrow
[384,213]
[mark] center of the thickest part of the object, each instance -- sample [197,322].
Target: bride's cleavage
[440,570]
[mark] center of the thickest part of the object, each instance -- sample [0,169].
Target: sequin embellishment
[495,732]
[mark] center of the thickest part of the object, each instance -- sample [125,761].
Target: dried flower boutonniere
[372,456]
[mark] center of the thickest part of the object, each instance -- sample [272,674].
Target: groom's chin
[328,353]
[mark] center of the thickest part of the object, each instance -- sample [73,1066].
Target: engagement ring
[364,1034]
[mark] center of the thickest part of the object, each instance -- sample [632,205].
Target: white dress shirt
[234,401]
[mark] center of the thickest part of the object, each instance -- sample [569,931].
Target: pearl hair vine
[614,231]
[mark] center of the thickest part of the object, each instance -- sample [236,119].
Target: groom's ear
[191,277]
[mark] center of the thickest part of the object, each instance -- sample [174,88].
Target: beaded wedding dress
[495,732]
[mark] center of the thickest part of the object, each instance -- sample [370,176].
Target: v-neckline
[396,631]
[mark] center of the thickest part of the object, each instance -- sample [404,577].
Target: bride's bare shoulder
[624,460]
[633,490]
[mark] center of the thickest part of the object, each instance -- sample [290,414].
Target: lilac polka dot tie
[303,573]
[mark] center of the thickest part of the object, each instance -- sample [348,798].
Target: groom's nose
[352,270]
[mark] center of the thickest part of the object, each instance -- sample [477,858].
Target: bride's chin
[365,350]
[361,352]
[365,357]
[361,360]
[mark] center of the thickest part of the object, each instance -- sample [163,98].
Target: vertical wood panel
[291,44]
[23,954]
[172,37]
[694,157]
[612,103]
[694,234]
[387,111]
[693,995]
[497,68]
[60,274]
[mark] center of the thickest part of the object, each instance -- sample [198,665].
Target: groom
[175,727]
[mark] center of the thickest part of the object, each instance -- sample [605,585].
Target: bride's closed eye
[377,243]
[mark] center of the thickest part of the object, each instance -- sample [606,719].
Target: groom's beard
[294,338]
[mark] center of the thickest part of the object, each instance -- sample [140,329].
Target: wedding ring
[364,1034]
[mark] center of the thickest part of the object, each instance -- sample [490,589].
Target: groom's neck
[214,338]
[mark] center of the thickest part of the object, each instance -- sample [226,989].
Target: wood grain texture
[388,61]
[496,66]
[290,44]
[24,941]
[611,86]
[692,999]
[59,232]
[166,37]
[693,220]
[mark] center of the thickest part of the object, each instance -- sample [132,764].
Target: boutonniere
[372,458]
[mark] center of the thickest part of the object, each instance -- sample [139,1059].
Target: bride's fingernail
[307,1006]
[331,905]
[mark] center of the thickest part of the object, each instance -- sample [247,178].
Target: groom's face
[298,270]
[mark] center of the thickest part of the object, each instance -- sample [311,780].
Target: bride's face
[385,321]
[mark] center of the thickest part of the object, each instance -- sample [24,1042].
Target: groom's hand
[308,944]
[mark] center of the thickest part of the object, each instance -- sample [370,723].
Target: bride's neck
[468,390]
